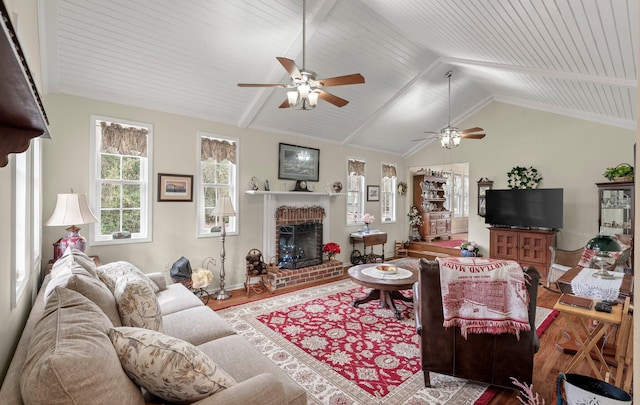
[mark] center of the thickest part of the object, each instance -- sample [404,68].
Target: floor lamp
[224,208]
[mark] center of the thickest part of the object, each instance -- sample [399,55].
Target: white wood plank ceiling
[572,57]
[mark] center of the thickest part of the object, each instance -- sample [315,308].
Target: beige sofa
[79,345]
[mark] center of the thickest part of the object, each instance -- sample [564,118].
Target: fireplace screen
[299,245]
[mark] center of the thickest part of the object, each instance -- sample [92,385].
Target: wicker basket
[625,178]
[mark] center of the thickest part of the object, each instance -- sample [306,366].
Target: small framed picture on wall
[373,193]
[175,187]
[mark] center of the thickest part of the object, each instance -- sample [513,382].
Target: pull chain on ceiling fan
[451,136]
[305,86]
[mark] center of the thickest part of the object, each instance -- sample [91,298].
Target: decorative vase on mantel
[332,256]
[366,228]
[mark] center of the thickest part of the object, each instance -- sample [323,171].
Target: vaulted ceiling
[571,57]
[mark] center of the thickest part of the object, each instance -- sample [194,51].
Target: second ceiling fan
[450,136]
[305,86]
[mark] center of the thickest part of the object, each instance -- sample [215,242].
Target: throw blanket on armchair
[483,295]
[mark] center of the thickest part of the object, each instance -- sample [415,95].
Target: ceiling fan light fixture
[292,96]
[313,98]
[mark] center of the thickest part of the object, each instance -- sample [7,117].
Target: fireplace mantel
[274,199]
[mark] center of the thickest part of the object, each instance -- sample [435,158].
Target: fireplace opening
[299,245]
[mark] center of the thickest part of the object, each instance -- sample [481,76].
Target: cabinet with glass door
[615,200]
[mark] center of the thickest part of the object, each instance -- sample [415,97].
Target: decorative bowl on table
[386,268]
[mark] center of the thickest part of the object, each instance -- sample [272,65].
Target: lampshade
[224,208]
[71,209]
[604,243]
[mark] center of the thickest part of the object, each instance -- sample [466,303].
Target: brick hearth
[297,277]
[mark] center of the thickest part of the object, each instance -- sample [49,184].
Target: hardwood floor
[548,362]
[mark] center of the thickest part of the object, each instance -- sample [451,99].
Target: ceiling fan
[305,86]
[450,136]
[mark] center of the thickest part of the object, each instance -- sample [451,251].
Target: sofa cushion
[70,256]
[196,325]
[242,360]
[177,297]
[168,367]
[110,273]
[71,360]
[75,277]
[137,304]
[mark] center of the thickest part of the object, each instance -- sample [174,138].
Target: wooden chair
[256,270]
[624,350]
[400,250]
[561,262]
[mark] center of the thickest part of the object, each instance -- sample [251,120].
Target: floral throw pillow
[169,368]
[110,273]
[137,304]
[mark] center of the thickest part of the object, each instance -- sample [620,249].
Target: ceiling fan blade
[335,100]
[423,139]
[470,130]
[355,78]
[472,136]
[261,85]
[290,66]
[431,132]
[285,104]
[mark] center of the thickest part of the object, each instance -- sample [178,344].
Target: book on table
[576,301]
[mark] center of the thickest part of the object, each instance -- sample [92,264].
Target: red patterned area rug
[344,355]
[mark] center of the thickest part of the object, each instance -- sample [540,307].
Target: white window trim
[362,202]
[20,226]
[394,197]
[94,188]
[198,189]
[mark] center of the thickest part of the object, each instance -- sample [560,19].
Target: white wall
[66,159]
[23,14]
[569,153]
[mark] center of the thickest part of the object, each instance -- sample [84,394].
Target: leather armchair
[486,358]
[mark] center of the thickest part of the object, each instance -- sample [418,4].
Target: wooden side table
[587,336]
[564,282]
[367,240]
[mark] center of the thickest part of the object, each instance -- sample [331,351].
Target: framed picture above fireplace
[298,162]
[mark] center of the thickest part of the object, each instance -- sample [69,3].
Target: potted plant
[469,249]
[622,172]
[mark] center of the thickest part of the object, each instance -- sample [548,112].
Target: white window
[388,193]
[217,177]
[355,190]
[465,192]
[20,217]
[121,180]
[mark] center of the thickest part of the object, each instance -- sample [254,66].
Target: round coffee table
[386,290]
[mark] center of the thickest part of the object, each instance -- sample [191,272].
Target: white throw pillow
[137,304]
[70,256]
[169,368]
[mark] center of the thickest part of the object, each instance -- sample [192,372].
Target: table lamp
[71,210]
[224,208]
[604,245]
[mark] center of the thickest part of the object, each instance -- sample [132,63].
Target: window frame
[362,193]
[146,189]
[390,193]
[20,225]
[233,226]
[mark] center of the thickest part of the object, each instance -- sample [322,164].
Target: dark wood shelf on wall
[22,115]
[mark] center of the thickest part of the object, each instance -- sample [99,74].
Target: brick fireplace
[294,209]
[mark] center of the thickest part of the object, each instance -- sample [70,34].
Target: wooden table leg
[587,344]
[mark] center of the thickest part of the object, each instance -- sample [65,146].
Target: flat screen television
[539,208]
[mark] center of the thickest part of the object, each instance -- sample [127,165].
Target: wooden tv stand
[526,246]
